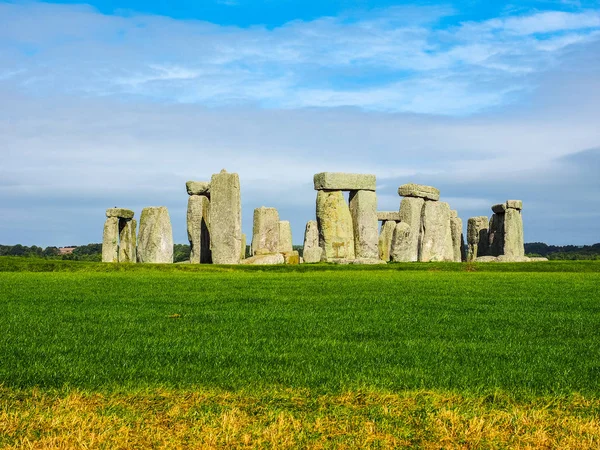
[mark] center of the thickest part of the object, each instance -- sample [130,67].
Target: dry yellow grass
[291,419]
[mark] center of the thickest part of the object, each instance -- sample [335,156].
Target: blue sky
[119,103]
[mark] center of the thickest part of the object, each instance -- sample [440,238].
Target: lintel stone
[339,181]
[198,187]
[121,213]
[500,208]
[419,191]
[514,204]
[383,216]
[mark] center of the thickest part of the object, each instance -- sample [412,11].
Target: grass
[479,355]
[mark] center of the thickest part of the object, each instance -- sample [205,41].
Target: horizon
[120,103]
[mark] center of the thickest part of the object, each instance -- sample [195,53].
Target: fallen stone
[384,216]
[338,181]
[292,257]
[311,251]
[269,259]
[507,258]
[110,240]
[198,188]
[411,212]
[419,191]
[264,251]
[265,230]
[401,243]
[514,204]
[500,208]
[367,261]
[225,218]
[486,259]
[457,237]
[155,238]
[436,237]
[363,208]
[514,245]
[385,240]
[127,240]
[198,213]
[285,236]
[121,213]
[336,233]
[477,237]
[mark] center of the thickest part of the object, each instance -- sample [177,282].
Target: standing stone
[477,237]
[155,238]
[385,239]
[198,212]
[514,246]
[265,230]
[411,211]
[363,208]
[225,218]
[436,241]
[110,240]
[311,252]
[457,238]
[243,249]
[336,233]
[401,243]
[285,237]
[127,244]
[496,235]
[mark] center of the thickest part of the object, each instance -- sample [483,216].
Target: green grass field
[482,335]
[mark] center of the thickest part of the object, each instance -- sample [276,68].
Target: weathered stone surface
[121,213]
[127,240]
[436,237]
[243,249]
[367,261]
[457,237]
[401,243]
[155,238]
[486,259]
[311,243]
[385,240]
[198,227]
[508,258]
[453,214]
[384,216]
[514,204]
[419,191]
[363,208]
[265,230]
[263,251]
[496,235]
[198,188]
[225,218]
[292,257]
[477,237]
[268,259]
[285,236]
[312,255]
[411,211]
[499,208]
[110,240]
[339,181]
[336,233]
[514,246]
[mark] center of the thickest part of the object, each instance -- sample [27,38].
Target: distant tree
[181,252]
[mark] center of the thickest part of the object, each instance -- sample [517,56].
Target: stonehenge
[346,229]
[118,238]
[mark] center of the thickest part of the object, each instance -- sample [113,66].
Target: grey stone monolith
[477,237]
[225,218]
[198,229]
[401,243]
[385,240]
[127,240]
[363,208]
[456,227]
[285,237]
[243,249]
[155,237]
[339,181]
[436,237]
[336,233]
[496,235]
[411,211]
[514,246]
[419,191]
[265,230]
[311,252]
[110,240]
